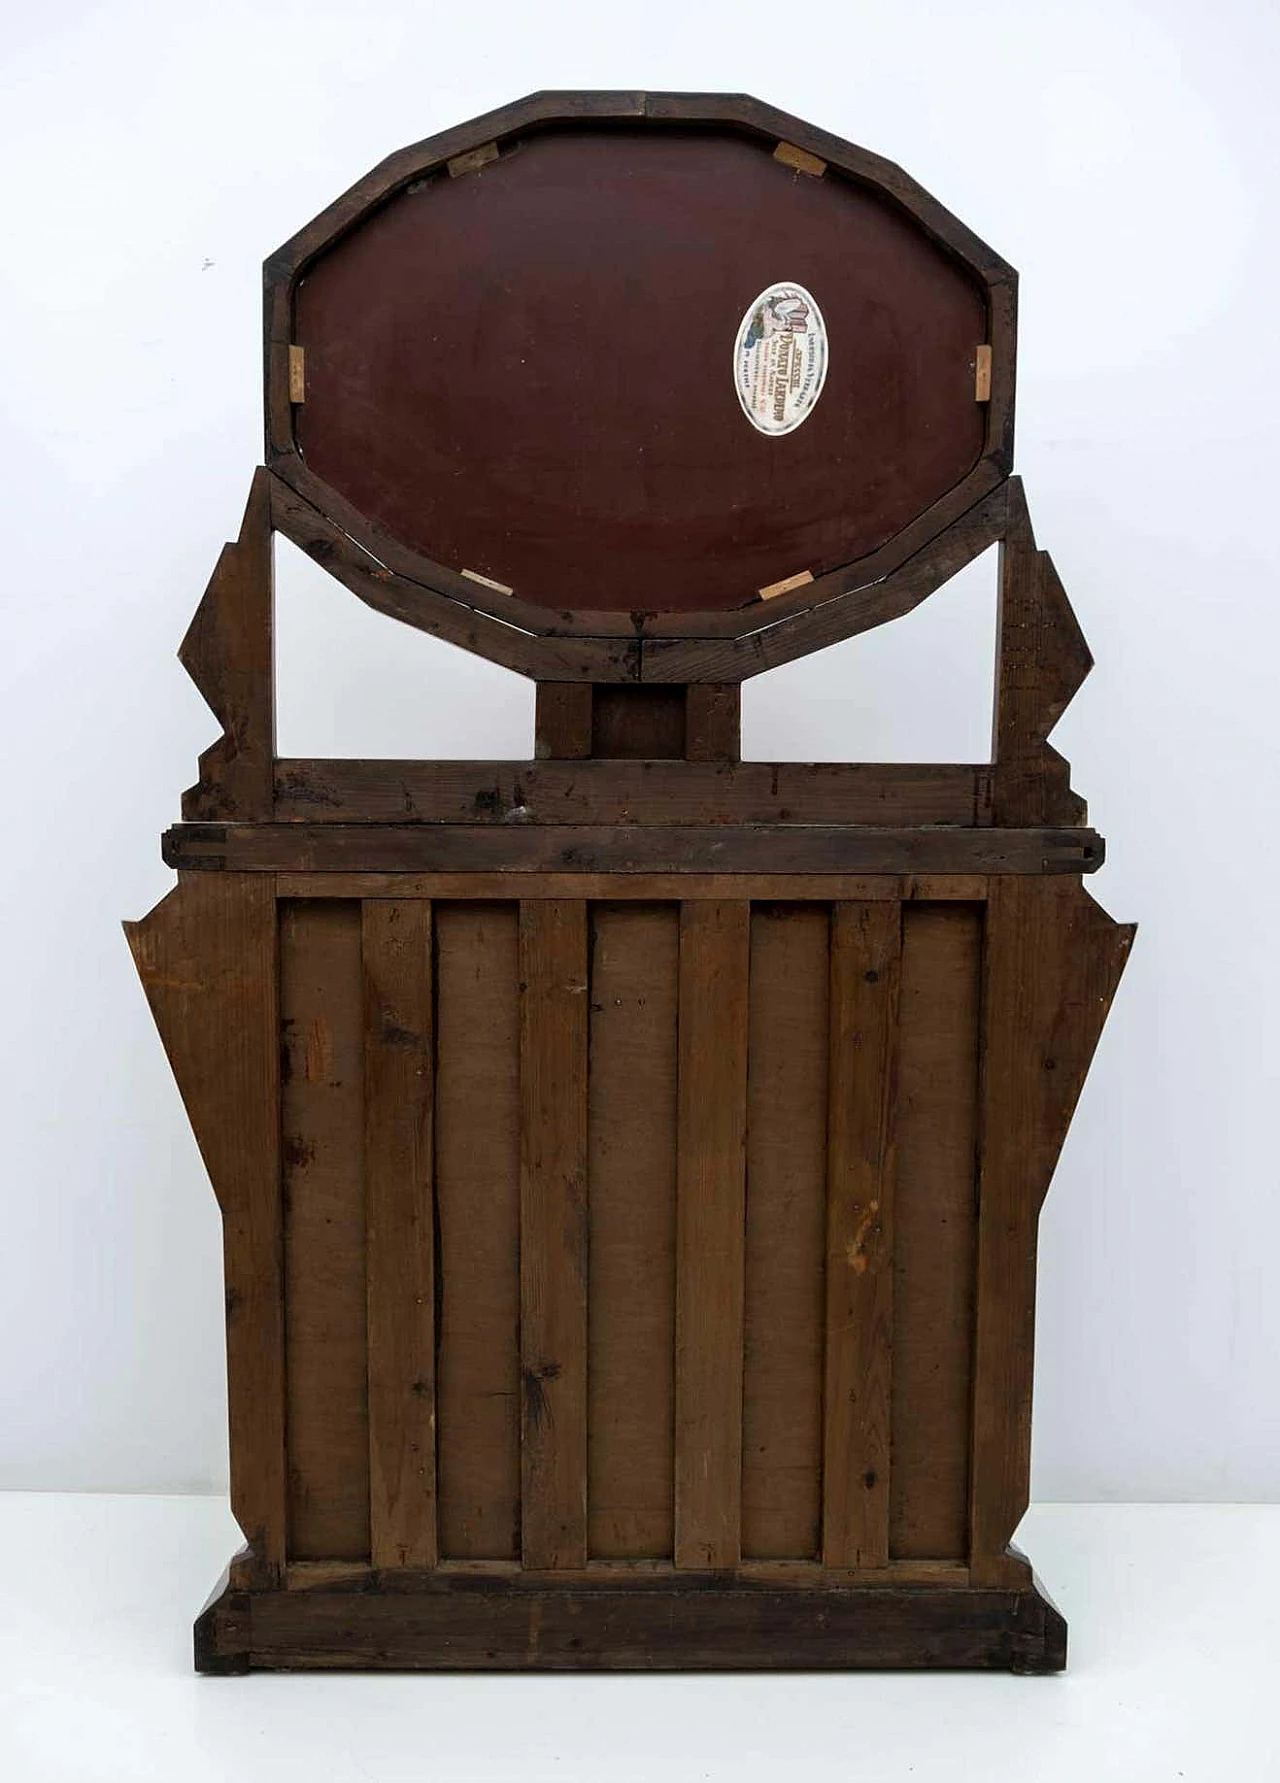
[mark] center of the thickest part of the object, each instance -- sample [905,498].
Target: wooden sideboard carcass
[630,1158]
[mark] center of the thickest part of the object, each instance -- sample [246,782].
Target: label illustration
[780,359]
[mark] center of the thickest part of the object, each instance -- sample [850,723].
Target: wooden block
[982,374]
[787,585]
[562,720]
[632,1125]
[399,1072]
[207,957]
[785,1233]
[472,161]
[487,582]
[478,1207]
[713,721]
[553,1233]
[297,374]
[800,159]
[714,956]
[866,949]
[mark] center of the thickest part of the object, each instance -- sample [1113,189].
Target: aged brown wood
[399,1080]
[702,790]
[630,1158]
[714,962]
[866,946]
[605,848]
[553,1232]
[207,958]
[1051,965]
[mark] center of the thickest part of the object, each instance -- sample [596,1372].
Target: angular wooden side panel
[399,1215]
[714,965]
[866,945]
[207,958]
[478,1217]
[1052,963]
[322,1120]
[553,1232]
[785,1233]
[228,654]
[632,1152]
[934,1230]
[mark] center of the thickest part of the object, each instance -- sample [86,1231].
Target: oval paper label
[780,359]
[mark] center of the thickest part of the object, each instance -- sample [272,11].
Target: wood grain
[866,947]
[322,1121]
[399,1079]
[478,1214]
[207,958]
[714,966]
[553,1233]
[632,1155]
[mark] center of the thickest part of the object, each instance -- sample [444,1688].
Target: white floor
[1174,1673]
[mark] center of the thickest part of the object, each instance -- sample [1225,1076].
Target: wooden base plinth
[441,1622]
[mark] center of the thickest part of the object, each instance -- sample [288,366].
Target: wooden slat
[713,722]
[478,1211]
[399,1221]
[714,956]
[207,956]
[785,1233]
[865,969]
[553,1233]
[645,888]
[562,720]
[627,848]
[710,788]
[322,1121]
[632,1151]
[934,1231]
[1052,962]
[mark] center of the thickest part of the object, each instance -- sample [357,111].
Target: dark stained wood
[643,887]
[553,1232]
[632,1158]
[1042,661]
[682,1623]
[228,654]
[399,1080]
[638,723]
[705,790]
[478,1214]
[207,958]
[866,946]
[322,1122]
[1051,966]
[562,721]
[785,1220]
[714,967]
[713,721]
[936,1135]
[603,848]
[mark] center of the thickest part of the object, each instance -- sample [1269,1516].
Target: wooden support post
[562,721]
[400,1265]
[866,947]
[711,1144]
[553,1232]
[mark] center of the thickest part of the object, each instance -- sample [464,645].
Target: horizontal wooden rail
[602,848]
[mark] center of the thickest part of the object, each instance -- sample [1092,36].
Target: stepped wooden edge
[589,1620]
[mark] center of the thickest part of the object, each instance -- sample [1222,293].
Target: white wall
[1123,156]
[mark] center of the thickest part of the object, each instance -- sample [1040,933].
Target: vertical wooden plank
[399,1237]
[562,720]
[207,956]
[866,944]
[710,1166]
[713,721]
[632,1163]
[1052,962]
[322,1111]
[477,1184]
[785,1233]
[553,1232]
[934,1230]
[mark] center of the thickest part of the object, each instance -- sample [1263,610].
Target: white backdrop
[1124,157]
